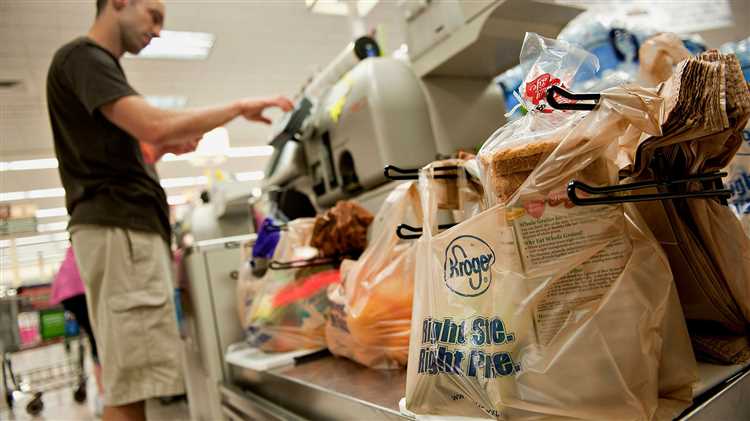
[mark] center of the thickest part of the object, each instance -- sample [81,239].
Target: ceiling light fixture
[176,200]
[249,176]
[32,194]
[238,152]
[14,196]
[249,151]
[178,45]
[50,163]
[44,193]
[36,239]
[169,183]
[51,212]
[52,227]
[28,164]
[166,102]
[339,7]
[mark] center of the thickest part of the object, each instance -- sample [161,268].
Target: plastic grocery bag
[290,308]
[538,309]
[658,56]
[547,63]
[371,315]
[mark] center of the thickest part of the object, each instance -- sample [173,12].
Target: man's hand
[181,148]
[152,154]
[252,109]
[149,152]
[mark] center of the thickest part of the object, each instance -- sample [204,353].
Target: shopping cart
[51,376]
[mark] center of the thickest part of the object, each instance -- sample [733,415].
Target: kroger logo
[467,268]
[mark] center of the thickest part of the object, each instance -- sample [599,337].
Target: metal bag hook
[416,232]
[611,198]
[557,90]
[299,264]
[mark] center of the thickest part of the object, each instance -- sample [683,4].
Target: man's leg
[77,306]
[129,293]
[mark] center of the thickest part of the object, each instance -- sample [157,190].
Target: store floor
[59,405]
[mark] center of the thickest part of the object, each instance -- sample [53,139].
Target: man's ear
[119,4]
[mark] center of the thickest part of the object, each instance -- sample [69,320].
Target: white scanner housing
[374,116]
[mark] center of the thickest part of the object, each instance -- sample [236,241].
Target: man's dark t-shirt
[101,166]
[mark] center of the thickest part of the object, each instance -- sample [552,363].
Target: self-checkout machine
[362,112]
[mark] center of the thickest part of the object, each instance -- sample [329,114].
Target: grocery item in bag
[527,141]
[264,246]
[290,307]
[537,309]
[342,230]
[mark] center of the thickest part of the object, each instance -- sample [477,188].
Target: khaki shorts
[129,292]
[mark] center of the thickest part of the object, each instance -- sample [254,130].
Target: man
[119,217]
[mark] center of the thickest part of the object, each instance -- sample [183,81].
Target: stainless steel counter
[327,388]
[724,399]
[330,388]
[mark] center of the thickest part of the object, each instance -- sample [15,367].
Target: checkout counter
[330,388]
[214,235]
[333,146]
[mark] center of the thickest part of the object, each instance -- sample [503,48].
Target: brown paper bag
[707,104]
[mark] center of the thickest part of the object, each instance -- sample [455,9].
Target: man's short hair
[100,4]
